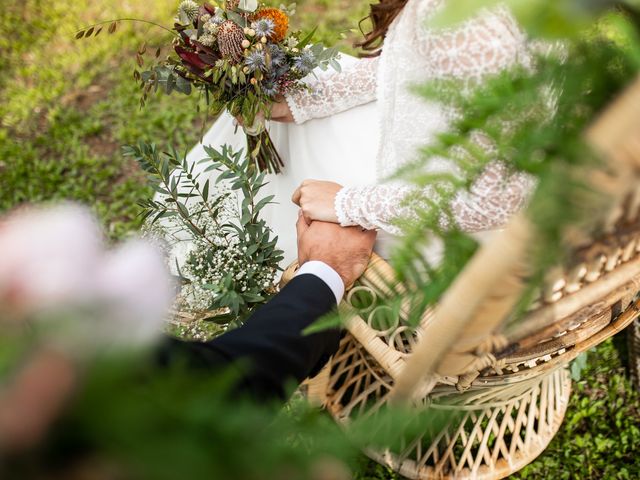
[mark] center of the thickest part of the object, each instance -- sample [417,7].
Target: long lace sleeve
[337,92]
[494,197]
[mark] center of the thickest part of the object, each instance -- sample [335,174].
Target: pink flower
[134,285]
[56,272]
[49,256]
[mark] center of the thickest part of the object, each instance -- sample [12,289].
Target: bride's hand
[280,111]
[316,199]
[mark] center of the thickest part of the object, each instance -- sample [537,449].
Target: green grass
[66,106]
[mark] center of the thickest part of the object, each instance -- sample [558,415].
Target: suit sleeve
[270,348]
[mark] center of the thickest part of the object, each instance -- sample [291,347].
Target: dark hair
[382,14]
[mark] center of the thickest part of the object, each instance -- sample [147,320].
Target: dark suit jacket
[270,347]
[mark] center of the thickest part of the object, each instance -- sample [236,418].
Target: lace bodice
[413,54]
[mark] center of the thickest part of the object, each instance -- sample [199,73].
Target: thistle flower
[270,88]
[256,60]
[189,10]
[265,27]
[230,37]
[305,62]
[281,71]
[278,57]
[205,17]
[280,22]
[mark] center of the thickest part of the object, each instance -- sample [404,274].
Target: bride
[354,128]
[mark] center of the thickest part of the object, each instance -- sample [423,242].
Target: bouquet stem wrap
[264,152]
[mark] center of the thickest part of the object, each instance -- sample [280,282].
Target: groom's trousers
[270,349]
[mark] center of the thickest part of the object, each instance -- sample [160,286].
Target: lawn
[66,107]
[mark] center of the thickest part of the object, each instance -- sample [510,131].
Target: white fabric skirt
[341,148]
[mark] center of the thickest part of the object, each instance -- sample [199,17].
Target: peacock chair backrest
[504,383]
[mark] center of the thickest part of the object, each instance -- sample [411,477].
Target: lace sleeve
[335,93]
[493,198]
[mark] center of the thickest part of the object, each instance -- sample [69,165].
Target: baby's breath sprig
[227,256]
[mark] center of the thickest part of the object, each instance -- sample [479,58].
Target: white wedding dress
[339,148]
[358,126]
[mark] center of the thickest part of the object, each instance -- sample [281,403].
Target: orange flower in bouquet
[280,21]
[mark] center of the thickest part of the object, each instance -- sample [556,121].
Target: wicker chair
[505,385]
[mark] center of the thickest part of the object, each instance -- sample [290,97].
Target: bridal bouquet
[241,55]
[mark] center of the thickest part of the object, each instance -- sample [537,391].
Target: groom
[270,347]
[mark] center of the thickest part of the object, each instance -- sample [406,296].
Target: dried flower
[188,10]
[291,42]
[305,62]
[270,88]
[231,4]
[280,22]
[208,40]
[256,60]
[211,28]
[230,38]
[264,27]
[278,57]
[218,18]
[248,5]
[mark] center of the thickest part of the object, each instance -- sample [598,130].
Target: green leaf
[264,202]
[307,39]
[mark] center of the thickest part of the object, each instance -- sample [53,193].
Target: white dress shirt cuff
[325,273]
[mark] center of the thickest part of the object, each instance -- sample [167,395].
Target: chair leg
[633,336]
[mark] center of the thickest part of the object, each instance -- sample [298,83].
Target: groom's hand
[345,249]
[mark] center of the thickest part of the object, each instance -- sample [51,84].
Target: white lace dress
[358,126]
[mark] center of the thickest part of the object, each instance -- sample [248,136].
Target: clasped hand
[316,200]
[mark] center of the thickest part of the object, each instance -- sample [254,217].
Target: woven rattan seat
[503,384]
